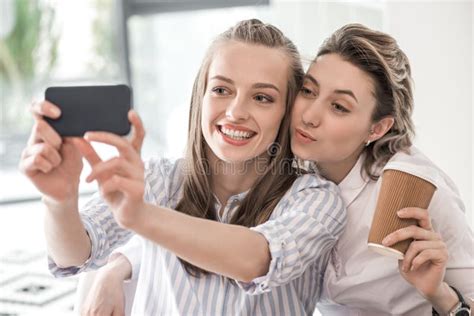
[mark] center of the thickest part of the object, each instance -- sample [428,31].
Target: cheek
[206,123]
[346,135]
[278,121]
[271,124]
[296,112]
[207,113]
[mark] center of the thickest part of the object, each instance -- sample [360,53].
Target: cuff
[278,239]
[92,263]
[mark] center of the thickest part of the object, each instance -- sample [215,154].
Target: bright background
[83,42]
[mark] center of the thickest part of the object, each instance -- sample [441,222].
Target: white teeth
[239,135]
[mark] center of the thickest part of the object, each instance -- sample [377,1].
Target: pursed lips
[305,134]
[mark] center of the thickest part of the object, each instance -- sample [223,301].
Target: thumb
[138,131]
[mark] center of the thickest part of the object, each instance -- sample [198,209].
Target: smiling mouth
[235,134]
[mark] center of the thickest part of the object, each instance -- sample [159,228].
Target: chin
[232,157]
[301,154]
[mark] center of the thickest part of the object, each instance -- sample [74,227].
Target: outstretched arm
[287,243]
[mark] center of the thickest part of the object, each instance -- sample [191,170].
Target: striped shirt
[301,232]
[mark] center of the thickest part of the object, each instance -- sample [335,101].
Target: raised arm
[54,165]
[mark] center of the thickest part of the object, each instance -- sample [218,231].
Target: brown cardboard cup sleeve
[398,190]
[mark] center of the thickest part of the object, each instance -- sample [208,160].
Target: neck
[338,170]
[228,179]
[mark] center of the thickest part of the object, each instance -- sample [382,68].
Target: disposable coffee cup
[398,190]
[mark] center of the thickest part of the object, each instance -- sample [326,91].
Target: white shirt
[360,282]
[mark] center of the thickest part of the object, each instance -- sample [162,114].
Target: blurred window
[47,43]
[157,45]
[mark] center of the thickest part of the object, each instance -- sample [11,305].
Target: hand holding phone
[53,164]
[90,108]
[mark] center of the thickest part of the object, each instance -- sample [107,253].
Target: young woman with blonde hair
[230,229]
[353,117]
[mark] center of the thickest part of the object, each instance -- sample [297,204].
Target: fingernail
[400,212]
[55,111]
[386,241]
[88,178]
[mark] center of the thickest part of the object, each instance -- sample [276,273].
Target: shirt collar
[233,198]
[354,182]
[231,204]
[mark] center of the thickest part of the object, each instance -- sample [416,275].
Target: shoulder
[416,163]
[446,199]
[315,195]
[313,181]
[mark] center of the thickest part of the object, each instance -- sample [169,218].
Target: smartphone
[91,108]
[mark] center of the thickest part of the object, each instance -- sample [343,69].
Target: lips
[305,135]
[237,128]
[235,135]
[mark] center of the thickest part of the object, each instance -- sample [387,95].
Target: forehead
[333,72]
[250,63]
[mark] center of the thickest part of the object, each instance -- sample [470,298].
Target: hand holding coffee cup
[398,190]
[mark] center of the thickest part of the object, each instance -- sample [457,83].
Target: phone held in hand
[91,108]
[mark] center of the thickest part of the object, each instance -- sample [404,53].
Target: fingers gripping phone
[90,108]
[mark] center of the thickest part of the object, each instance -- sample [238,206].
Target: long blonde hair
[278,176]
[379,55]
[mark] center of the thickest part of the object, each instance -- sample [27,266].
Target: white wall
[438,39]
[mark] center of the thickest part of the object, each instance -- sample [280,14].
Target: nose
[236,111]
[311,116]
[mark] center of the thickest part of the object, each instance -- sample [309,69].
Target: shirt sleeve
[449,219]
[132,250]
[447,213]
[305,232]
[104,233]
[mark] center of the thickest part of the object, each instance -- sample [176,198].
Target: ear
[379,129]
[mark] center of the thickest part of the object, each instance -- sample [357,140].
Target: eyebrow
[258,85]
[338,91]
[348,92]
[312,79]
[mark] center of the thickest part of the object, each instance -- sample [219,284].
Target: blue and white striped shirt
[301,231]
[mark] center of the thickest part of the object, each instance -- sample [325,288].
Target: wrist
[140,219]
[118,268]
[444,299]
[63,205]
